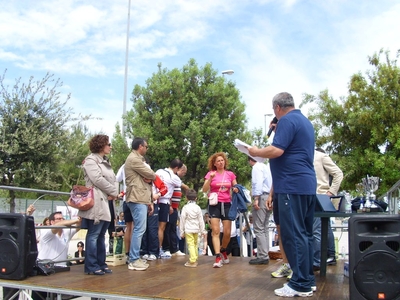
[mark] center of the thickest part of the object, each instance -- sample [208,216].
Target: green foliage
[189,113]
[120,149]
[71,156]
[33,134]
[362,131]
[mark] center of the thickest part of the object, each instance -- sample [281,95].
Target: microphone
[274,121]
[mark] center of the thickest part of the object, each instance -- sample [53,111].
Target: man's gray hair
[283,100]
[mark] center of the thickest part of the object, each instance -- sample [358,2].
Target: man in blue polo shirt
[291,159]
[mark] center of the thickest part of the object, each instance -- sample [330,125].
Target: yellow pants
[192,245]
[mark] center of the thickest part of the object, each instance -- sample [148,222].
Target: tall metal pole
[126,69]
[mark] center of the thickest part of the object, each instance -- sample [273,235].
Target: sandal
[107,270]
[98,272]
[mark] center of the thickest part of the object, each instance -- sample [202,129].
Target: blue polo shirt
[293,172]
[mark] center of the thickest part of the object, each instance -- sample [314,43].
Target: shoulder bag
[213,197]
[81,197]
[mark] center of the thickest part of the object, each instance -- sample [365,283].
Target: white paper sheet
[241,146]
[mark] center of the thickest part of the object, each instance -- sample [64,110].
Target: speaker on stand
[18,248]
[374,259]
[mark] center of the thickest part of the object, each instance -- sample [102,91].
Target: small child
[191,224]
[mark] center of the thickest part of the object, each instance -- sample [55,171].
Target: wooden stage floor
[169,279]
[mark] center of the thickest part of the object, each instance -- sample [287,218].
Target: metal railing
[393,197]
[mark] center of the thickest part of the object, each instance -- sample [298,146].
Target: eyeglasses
[147,147]
[58,219]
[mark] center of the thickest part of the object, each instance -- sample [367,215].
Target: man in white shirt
[261,182]
[171,180]
[54,242]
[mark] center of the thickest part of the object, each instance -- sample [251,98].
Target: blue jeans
[95,255]
[317,241]
[139,216]
[296,216]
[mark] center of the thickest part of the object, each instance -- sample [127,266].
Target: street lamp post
[265,123]
[228,72]
[126,69]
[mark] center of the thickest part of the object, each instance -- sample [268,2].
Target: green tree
[189,113]
[71,155]
[120,149]
[33,123]
[362,131]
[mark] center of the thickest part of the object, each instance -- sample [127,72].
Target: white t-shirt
[171,180]
[55,247]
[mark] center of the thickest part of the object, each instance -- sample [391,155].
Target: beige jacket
[100,175]
[324,166]
[137,190]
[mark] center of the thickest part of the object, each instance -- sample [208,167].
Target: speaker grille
[364,245]
[394,245]
[9,257]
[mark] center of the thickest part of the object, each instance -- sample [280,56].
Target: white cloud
[273,46]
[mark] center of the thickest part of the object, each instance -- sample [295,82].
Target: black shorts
[163,212]
[127,213]
[216,211]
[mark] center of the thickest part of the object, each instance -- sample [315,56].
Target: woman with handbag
[218,183]
[100,176]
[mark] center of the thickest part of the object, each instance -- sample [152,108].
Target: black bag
[44,267]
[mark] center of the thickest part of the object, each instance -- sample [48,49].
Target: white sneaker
[138,265]
[288,292]
[165,254]
[314,288]
[178,253]
[152,257]
[146,257]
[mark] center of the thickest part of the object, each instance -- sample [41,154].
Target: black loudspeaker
[18,248]
[374,259]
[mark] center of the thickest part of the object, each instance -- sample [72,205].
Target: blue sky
[272,45]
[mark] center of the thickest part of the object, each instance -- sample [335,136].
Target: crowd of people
[286,187]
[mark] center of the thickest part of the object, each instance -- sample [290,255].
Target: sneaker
[178,253]
[283,271]
[331,261]
[191,265]
[290,275]
[314,288]
[145,257]
[218,261]
[165,254]
[138,265]
[225,259]
[152,257]
[288,292]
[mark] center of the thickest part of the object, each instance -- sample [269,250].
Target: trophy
[373,185]
[370,184]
